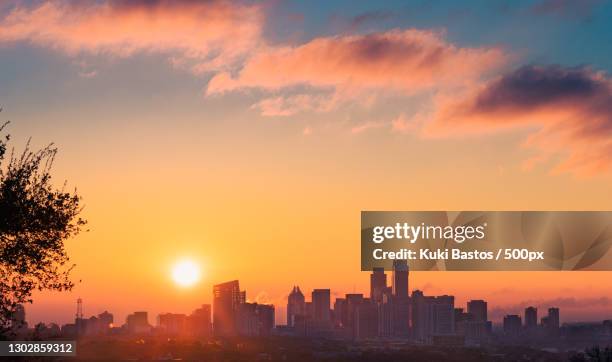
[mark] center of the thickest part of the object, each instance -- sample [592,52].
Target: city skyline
[477,307]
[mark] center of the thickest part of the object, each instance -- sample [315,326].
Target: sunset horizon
[212,141]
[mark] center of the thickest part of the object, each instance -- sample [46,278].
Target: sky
[248,136]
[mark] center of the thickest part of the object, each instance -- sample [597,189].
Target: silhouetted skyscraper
[321,303]
[478,309]
[531,317]
[400,278]
[295,305]
[553,319]
[432,316]
[138,323]
[199,322]
[172,323]
[512,325]
[378,283]
[227,298]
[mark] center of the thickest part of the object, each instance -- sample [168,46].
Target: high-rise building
[352,302]
[340,312]
[512,325]
[552,322]
[366,320]
[531,317]
[106,319]
[321,302]
[265,315]
[199,322]
[378,283]
[227,298]
[400,278]
[443,315]
[138,323]
[432,316]
[172,324]
[478,310]
[296,305]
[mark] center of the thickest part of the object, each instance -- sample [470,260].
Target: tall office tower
[199,322]
[531,317]
[352,302]
[340,312]
[227,298]
[443,308]
[420,316]
[138,323]
[106,319]
[512,325]
[265,318]
[553,318]
[478,310]
[400,278]
[295,305]
[432,316]
[172,323]
[366,320]
[321,303]
[378,283]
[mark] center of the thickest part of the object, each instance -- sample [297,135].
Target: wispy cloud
[203,35]
[405,61]
[568,110]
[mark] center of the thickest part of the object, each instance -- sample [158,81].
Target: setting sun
[186,273]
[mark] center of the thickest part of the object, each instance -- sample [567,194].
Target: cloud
[405,61]
[567,110]
[577,9]
[290,105]
[369,125]
[203,35]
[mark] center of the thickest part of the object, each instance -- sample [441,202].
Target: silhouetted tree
[35,219]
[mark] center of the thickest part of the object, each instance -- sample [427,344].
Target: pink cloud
[567,110]
[292,104]
[206,35]
[403,61]
[366,126]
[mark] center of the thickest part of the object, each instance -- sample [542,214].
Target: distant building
[378,283]
[366,320]
[443,315]
[138,323]
[478,310]
[255,319]
[172,324]
[353,301]
[227,298]
[432,316]
[551,322]
[106,320]
[400,278]
[512,325]
[296,305]
[321,302]
[199,322]
[531,318]
[553,318]
[340,312]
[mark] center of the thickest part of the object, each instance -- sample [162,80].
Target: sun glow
[186,273]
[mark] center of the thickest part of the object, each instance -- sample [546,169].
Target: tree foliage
[35,220]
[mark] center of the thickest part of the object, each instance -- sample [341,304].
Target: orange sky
[192,132]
